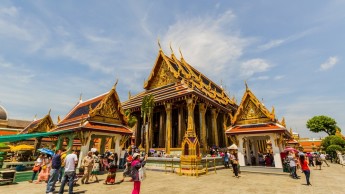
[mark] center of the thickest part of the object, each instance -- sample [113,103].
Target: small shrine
[257,132]
[190,157]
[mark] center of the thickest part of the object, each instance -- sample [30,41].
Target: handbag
[142,174]
[36,168]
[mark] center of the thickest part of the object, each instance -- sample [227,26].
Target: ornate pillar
[180,123]
[117,144]
[276,153]
[203,135]
[151,134]
[240,153]
[214,115]
[70,143]
[161,130]
[190,121]
[83,150]
[168,110]
[225,119]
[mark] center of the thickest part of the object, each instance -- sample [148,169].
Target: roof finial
[81,98]
[117,80]
[159,44]
[35,118]
[179,49]
[49,111]
[129,94]
[58,119]
[172,51]
[245,82]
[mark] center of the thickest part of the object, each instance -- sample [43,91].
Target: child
[111,174]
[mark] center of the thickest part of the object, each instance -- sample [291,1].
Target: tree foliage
[333,148]
[322,123]
[333,140]
[132,120]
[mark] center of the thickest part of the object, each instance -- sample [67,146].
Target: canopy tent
[20,137]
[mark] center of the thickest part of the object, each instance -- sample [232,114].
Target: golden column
[168,107]
[214,115]
[225,119]
[190,106]
[202,112]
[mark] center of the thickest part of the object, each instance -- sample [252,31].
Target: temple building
[10,126]
[180,91]
[96,123]
[256,131]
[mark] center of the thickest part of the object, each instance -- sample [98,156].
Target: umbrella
[22,148]
[46,151]
[290,149]
[233,147]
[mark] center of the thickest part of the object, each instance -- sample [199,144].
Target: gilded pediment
[108,110]
[252,111]
[162,77]
[44,125]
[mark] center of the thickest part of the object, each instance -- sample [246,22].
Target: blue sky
[290,52]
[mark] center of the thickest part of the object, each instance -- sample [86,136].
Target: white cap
[135,155]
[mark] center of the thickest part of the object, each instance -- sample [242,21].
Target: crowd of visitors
[62,168]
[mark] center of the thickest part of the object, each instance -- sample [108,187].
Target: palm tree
[147,106]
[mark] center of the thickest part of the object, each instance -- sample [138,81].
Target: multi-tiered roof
[172,79]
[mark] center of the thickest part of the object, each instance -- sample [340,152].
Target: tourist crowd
[62,168]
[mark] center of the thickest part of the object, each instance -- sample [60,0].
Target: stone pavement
[329,180]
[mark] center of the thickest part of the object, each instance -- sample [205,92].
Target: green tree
[331,150]
[322,123]
[147,106]
[332,140]
[132,120]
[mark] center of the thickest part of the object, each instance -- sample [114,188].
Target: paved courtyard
[328,180]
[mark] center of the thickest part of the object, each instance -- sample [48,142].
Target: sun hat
[135,155]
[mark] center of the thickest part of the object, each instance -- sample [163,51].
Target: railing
[169,164]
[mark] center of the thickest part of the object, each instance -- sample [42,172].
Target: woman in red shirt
[305,168]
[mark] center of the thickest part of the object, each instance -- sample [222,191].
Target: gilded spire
[179,49]
[59,119]
[245,82]
[35,118]
[129,94]
[49,111]
[172,51]
[159,44]
[283,122]
[273,111]
[81,98]
[114,87]
[291,131]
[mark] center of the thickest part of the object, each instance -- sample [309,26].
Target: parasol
[22,148]
[233,147]
[290,149]
[46,151]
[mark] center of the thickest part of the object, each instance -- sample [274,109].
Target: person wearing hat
[87,163]
[136,165]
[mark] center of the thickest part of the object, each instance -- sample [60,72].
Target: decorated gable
[162,76]
[109,110]
[252,111]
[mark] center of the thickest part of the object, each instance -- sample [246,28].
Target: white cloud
[208,43]
[253,66]
[278,77]
[10,11]
[275,43]
[329,63]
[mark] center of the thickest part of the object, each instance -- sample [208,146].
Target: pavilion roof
[44,124]
[102,113]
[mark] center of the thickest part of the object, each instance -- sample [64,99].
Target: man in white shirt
[323,158]
[70,162]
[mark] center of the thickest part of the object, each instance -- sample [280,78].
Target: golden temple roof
[169,70]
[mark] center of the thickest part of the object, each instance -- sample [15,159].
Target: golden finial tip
[49,111]
[117,80]
[159,45]
[245,82]
[172,51]
[179,49]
